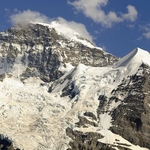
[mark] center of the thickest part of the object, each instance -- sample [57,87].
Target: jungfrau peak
[60,92]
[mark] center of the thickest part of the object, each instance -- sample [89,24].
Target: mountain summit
[136,57]
[58,91]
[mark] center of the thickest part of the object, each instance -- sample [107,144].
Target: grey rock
[131,117]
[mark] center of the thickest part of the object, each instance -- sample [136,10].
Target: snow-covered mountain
[60,92]
[46,51]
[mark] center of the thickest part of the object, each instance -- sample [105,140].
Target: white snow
[135,57]
[17,46]
[133,60]
[4,33]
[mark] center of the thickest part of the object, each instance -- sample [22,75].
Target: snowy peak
[67,32]
[134,58]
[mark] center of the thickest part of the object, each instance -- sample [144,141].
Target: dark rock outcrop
[6,144]
[86,141]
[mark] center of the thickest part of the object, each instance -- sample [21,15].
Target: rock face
[87,141]
[131,118]
[41,50]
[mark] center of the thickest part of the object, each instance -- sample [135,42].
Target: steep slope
[136,58]
[47,51]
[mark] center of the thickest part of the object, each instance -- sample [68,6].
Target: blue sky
[116,26]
